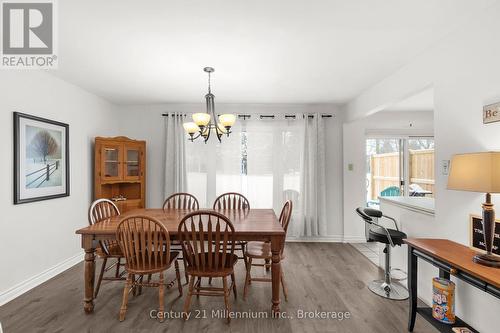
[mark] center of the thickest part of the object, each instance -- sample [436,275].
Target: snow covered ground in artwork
[38,179]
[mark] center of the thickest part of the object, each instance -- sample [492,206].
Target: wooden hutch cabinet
[120,171]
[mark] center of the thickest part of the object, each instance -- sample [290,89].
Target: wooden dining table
[252,225]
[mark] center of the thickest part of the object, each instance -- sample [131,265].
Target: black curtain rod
[248,116]
[172,114]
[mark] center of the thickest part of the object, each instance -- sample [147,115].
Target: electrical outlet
[350,167]
[445,167]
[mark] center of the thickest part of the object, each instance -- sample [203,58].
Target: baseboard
[354,239]
[316,239]
[38,279]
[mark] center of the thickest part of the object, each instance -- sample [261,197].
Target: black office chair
[390,237]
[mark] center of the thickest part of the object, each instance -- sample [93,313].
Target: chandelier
[204,124]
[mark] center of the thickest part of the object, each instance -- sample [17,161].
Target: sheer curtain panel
[175,155]
[313,221]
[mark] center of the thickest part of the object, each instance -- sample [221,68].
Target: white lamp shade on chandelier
[201,119]
[227,120]
[204,123]
[191,127]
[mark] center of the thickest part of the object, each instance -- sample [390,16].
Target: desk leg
[89,274]
[412,288]
[276,272]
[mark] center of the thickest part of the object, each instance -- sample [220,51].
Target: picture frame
[41,159]
[476,238]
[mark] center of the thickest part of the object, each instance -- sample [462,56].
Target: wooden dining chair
[208,238]
[262,250]
[99,211]
[233,201]
[145,242]
[181,201]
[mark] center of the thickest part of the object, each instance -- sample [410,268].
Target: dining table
[249,225]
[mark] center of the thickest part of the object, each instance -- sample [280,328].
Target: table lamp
[479,172]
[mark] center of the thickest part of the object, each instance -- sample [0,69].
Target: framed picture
[476,237]
[41,159]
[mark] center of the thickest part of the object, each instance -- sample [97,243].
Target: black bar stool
[390,237]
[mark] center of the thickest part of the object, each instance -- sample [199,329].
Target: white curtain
[175,155]
[313,219]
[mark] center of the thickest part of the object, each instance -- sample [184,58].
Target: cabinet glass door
[111,158]
[132,162]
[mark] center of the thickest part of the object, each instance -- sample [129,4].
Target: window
[392,163]
[260,159]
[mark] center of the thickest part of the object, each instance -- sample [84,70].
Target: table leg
[276,273]
[412,288]
[89,275]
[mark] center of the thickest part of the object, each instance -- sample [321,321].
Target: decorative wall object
[491,113]
[41,159]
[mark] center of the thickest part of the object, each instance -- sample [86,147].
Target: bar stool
[390,237]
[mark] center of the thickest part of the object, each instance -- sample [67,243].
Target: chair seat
[260,250]
[114,251]
[377,234]
[228,268]
[159,265]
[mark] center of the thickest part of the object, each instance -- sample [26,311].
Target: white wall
[355,134]
[38,239]
[465,73]
[145,122]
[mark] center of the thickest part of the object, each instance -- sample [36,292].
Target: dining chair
[208,238]
[234,201]
[145,242]
[181,201]
[262,250]
[100,210]
[231,200]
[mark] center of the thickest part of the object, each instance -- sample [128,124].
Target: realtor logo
[28,34]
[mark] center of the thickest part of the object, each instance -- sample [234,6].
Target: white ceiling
[422,101]
[282,51]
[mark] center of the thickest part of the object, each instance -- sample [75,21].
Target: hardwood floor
[320,277]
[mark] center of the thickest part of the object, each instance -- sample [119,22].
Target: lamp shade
[476,172]
[227,120]
[191,127]
[201,119]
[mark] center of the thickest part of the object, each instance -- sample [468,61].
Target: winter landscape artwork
[41,159]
